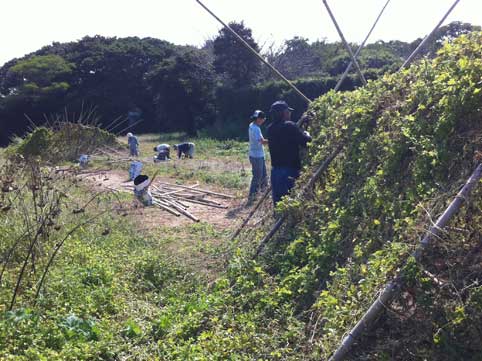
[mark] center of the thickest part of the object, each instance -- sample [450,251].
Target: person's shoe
[250,201]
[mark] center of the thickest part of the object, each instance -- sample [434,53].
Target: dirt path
[198,246]
[153,217]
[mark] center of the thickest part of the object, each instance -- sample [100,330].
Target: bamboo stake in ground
[392,289]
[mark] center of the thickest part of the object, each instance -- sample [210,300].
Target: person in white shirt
[163,152]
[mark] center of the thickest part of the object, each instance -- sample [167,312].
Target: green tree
[183,91]
[40,75]
[232,60]
[449,33]
[297,59]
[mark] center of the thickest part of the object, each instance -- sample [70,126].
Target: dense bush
[65,141]
[409,140]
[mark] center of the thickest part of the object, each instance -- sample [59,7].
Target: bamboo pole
[250,214]
[428,37]
[199,190]
[324,166]
[256,54]
[129,127]
[318,173]
[108,127]
[392,289]
[184,211]
[178,201]
[197,201]
[173,191]
[362,45]
[165,207]
[345,43]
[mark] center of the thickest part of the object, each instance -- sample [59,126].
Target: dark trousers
[259,180]
[282,180]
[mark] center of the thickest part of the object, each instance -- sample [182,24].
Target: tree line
[182,88]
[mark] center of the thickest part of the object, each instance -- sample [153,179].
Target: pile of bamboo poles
[176,199]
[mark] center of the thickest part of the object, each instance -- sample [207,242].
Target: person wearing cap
[285,139]
[256,154]
[133,145]
[141,189]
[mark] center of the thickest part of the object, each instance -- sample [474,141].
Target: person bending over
[163,152]
[186,149]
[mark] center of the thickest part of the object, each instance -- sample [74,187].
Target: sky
[27,25]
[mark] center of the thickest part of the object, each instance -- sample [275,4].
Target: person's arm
[302,137]
[259,136]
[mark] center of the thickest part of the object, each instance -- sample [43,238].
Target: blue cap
[280,106]
[258,114]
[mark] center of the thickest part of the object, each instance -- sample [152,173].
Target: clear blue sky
[28,25]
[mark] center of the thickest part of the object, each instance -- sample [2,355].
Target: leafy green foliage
[409,140]
[183,91]
[408,137]
[232,59]
[66,142]
[41,73]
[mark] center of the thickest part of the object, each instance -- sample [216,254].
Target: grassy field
[118,289]
[221,163]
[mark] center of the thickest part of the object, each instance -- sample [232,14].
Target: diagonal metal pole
[428,37]
[261,200]
[345,43]
[280,221]
[362,45]
[319,171]
[255,53]
[392,289]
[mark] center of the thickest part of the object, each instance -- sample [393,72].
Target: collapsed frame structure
[390,291]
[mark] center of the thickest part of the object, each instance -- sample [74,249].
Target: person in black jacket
[285,139]
[186,149]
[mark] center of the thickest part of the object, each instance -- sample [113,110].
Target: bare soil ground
[153,217]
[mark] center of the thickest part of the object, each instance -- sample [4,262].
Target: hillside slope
[409,143]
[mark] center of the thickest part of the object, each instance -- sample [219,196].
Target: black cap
[258,114]
[280,106]
[140,178]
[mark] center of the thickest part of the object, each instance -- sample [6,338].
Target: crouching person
[186,149]
[141,190]
[84,161]
[163,152]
